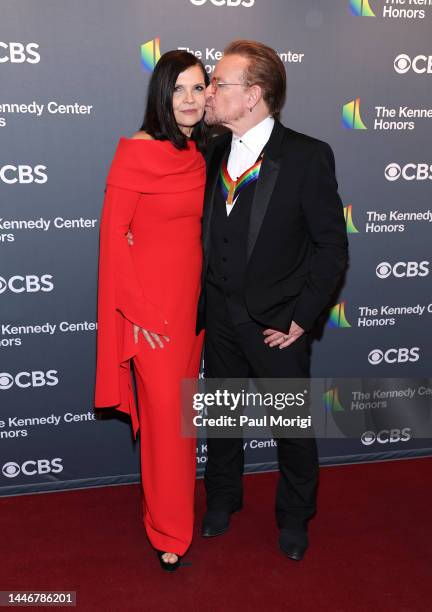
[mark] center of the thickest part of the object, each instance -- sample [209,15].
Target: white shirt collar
[257,137]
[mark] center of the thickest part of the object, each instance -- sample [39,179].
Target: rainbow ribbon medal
[231,189]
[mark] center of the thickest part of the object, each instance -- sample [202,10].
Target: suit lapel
[265,185]
[211,184]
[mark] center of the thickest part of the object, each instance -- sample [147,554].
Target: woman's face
[189,99]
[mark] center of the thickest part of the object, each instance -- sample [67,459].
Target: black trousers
[238,351]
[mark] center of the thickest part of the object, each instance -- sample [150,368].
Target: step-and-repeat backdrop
[73,79]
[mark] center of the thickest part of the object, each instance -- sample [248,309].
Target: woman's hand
[152,338]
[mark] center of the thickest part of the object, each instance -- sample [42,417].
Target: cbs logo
[245,3]
[409,172]
[37,378]
[386,436]
[394,355]
[31,468]
[421,64]
[23,174]
[30,283]
[402,269]
[18,53]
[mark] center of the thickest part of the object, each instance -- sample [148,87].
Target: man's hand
[129,237]
[152,338]
[277,338]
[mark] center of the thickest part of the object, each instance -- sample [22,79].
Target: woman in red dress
[148,292]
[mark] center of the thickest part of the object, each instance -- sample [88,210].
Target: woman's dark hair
[159,120]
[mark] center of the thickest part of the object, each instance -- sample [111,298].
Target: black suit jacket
[297,245]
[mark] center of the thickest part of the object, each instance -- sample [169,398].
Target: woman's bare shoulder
[142,135]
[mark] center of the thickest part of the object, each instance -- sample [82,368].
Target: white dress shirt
[246,149]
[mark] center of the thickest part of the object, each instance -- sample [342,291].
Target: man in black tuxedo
[275,249]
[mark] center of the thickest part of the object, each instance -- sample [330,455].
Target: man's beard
[212,118]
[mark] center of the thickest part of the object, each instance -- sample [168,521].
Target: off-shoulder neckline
[189,140]
[166,145]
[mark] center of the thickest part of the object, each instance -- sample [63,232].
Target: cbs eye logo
[402,63]
[32,467]
[11,469]
[383,270]
[392,172]
[420,64]
[24,380]
[368,438]
[376,356]
[386,436]
[394,355]
[31,283]
[6,381]
[403,269]
[410,172]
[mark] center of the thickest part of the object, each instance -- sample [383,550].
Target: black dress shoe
[293,543]
[216,522]
[168,567]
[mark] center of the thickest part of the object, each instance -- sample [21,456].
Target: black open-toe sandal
[168,567]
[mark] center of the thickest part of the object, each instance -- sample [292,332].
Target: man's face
[227,104]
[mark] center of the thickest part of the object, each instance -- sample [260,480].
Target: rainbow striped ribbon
[230,188]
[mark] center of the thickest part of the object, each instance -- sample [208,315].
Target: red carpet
[371,548]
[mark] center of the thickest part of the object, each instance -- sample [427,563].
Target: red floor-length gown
[157,191]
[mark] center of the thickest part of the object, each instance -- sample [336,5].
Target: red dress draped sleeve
[122,301]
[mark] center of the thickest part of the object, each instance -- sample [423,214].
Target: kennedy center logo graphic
[361,8]
[150,54]
[351,118]
[351,228]
[332,402]
[337,316]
